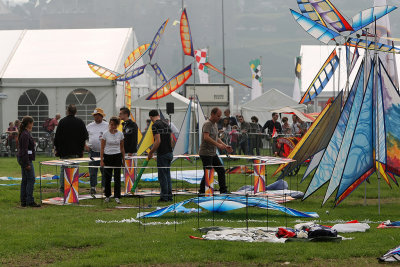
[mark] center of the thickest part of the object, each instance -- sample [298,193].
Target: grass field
[70,236]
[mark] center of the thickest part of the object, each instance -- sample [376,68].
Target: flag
[201,58]
[256,79]
[297,82]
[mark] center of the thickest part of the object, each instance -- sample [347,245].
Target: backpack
[46,125]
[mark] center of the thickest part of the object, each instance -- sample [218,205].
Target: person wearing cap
[95,129]
[70,138]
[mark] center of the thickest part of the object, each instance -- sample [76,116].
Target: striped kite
[136,55]
[186,37]
[157,38]
[103,72]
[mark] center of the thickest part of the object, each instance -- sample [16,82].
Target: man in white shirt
[96,129]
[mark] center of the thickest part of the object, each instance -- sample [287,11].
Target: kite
[156,40]
[71,182]
[318,31]
[209,181]
[159,73]
[174,83]
[147,140]
[186,37]
[128,95]
[309,11]
[207,64]
[392,255]
[322,78]
[139,176]
[331,15]
[136,55]
[242,169]
[316,138]
[182,144]
[103,72]
[228,203]
[131,74]
[368,16]
[259,176]
[354,42]
[129,173]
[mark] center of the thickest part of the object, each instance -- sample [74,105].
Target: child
[112,154]
[234,138]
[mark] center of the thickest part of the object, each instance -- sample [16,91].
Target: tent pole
[376,121]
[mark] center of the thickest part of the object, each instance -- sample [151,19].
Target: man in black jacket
[130,131]
[69,141]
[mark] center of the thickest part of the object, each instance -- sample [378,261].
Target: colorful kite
[331,15]
[209,182]
[136,55]
[159,73]
[309,11]
[392,255]
[368,16]
[173,84]
[228,203]
[182,144]
[208,64]
[147,140]
[242,169]
[156,40]
[129,173]
[322,78]
[372,45]
[186,37]
[318,31]
[259,176]
[128,94]
[71,184]
[139,176]
[103,72]
[131,74]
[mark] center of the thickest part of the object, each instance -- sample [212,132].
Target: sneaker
[33,205]
[117,200]
[93,192]
[107,199]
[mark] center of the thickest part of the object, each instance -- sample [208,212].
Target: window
[34,103]
[85,103]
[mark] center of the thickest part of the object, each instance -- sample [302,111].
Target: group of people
[246,137]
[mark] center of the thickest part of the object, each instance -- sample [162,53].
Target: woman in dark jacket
[26,154]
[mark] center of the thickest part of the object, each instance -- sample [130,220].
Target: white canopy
[272,99]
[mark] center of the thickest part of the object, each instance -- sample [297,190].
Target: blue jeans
[27,184]
[164,175]
[93,171]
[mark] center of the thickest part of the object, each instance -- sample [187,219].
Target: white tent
[261,106]
[44,70]
[141,108]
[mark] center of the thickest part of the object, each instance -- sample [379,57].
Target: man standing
[163,146]
[69,142]
[96,129]
[274,127]
[130,131]
[208,150]
[244,136]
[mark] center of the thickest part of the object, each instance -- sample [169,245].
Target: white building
[43,71]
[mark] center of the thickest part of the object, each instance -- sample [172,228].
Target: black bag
[318,231]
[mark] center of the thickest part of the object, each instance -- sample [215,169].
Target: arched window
[35,104]
[85,103]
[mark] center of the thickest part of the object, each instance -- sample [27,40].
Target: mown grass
[70,236]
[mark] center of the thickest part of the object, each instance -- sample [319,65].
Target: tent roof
[61,53]
[180,102]
[272,99]
[289,110]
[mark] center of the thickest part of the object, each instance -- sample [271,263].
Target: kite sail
[207,64]
[131,74]
[318,31]
[157,38]
[136,55]
[331,15]
[128,95]
[103,72]
[159,73]
[321,175]
[146,141]
[368,16]
[309,11]
[322,78]
[186,37]
[228,203]
[372,45]
[182,144]
[173,84]
[316,138]
[392,255]
[139,176]
[201,58]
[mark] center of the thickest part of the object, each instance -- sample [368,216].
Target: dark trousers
[244,147]
[93,171]
[164,175]
[213,162]
[27,184]
[255,144]
[114,160]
